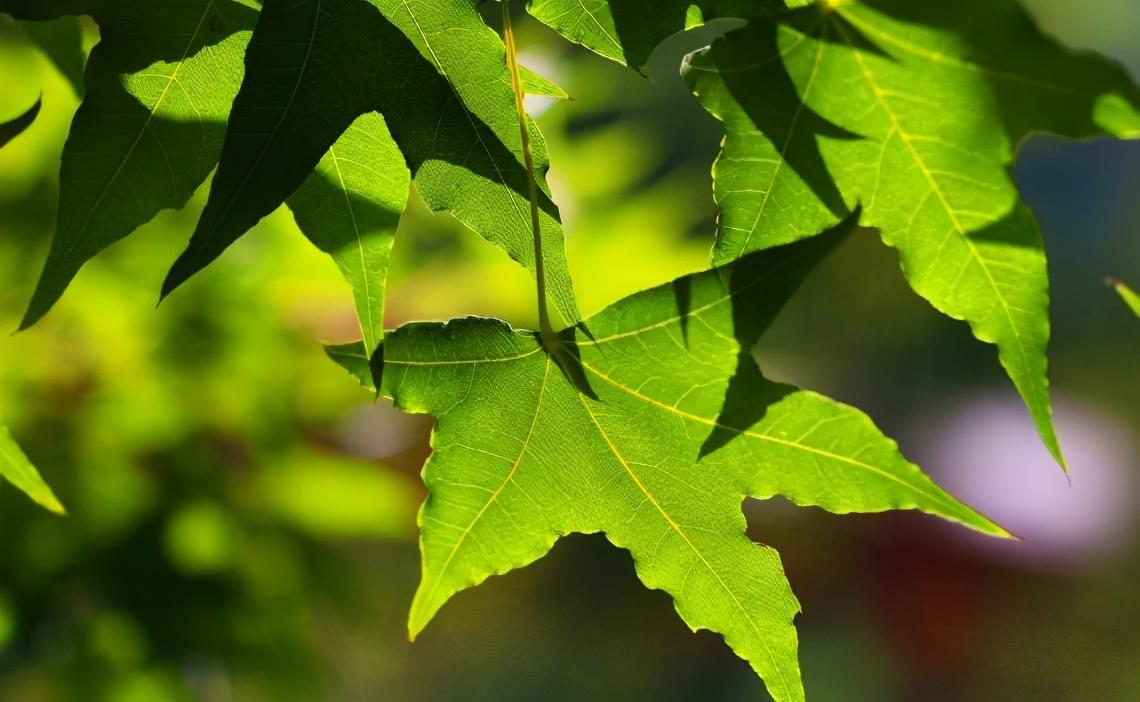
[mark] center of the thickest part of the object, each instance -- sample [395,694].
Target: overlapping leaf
[914,110]
[149,131]
[159,89]
[436,73]
[349,208]
[18,470]
[674,427]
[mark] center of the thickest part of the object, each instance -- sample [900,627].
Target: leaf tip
[33,313]
[416,622]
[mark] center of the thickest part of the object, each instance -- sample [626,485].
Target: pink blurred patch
[985,451]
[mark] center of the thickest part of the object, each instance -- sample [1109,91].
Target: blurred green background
[242,518]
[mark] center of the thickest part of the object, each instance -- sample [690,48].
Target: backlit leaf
[18,470]
[676,426]
[914,111]
[349,208]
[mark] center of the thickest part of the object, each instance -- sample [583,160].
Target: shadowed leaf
[158,90]
[437,75]
[15,127]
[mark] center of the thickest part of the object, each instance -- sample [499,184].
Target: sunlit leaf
[535,84]
[18,470]
[676,426]
[915,111]
[349,208]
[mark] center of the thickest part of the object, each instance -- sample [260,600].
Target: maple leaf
[668,426]
[913,111]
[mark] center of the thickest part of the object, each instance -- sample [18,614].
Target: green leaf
[534,84]
[18,470]
[627,31]
[15,127]
[1127,294]
[680,427]
[349,208]
[159,87]
[914,110]
[436,73]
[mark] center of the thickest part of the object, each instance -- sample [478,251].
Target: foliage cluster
[650,421]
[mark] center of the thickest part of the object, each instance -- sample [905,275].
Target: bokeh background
[242,518]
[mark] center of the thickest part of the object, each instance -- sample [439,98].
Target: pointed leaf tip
[18,470]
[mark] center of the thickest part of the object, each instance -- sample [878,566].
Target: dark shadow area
[376,368]
[765,91]
[643,24]
[1017,228]
[568,358]
[683,296]
[585,329]
[746,401]
[761,285]
[319,193]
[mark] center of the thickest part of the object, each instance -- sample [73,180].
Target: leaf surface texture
[675,427]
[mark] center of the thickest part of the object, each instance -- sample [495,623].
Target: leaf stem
[549,338]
